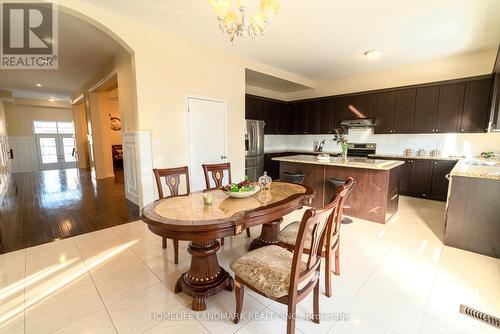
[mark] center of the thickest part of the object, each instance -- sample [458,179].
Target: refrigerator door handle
[254,138]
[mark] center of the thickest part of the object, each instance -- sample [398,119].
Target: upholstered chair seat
[268,270]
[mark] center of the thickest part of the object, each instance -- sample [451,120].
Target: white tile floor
[397,278]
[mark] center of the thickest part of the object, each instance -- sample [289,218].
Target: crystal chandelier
[244,25]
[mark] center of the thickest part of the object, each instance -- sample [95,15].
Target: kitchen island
[375,196]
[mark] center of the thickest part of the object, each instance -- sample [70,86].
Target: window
[45,127]
[65,128]
[42,127]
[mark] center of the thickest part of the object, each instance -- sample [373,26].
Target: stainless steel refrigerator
[254,149]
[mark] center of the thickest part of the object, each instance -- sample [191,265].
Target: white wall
[450,144]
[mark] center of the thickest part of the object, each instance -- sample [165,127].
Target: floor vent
[481,316]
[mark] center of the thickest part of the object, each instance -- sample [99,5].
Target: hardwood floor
[45,206]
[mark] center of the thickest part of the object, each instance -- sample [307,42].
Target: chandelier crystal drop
[241,24]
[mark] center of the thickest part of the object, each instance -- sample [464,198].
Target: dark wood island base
[375,196]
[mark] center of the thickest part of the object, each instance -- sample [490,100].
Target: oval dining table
[188,218]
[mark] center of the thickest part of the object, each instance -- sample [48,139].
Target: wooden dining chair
[173,181]
[216,173]
[288,236]
[283,276]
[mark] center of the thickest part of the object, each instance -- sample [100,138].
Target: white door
[67,145]
[207,137]
[56,151]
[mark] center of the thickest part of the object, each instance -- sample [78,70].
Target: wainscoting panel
[138,167]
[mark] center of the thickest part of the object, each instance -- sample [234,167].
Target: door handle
[223,156]
[11,153]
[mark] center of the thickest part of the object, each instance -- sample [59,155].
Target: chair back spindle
[313,227]
[173,181]
[216,173]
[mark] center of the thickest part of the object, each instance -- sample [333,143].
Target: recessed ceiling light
[51,99]
[372,54]
[38,85]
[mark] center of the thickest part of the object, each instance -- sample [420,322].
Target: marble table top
[191,209]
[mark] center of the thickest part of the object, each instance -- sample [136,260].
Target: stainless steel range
[361,149]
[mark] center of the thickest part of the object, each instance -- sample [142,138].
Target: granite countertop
[414,157]
[477,167]
[300,151]
[339,162]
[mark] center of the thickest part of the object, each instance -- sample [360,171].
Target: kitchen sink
[481,163]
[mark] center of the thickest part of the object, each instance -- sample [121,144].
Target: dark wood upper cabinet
[299,117]
[325,113]
[404,110]
[270,111]
[426,106]
[385,108]
[453,106]
[361,105]
[340,111]
[476,106]
[312,117]
[450,107]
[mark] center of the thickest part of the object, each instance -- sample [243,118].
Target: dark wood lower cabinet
[439,184]
[404,184]
[420,178]
[425,178]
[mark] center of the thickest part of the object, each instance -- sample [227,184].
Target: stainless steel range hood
[360,123]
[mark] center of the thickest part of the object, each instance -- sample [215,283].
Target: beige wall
[81,134]
[112,109]
[473,64]
[122,65]
[3,126]
[21,114]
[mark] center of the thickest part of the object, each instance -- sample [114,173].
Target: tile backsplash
[469,145]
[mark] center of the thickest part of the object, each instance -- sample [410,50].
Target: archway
[103,212]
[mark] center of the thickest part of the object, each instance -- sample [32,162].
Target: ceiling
[323,40]
[83,49]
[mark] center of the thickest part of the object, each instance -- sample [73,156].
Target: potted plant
[341,139]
